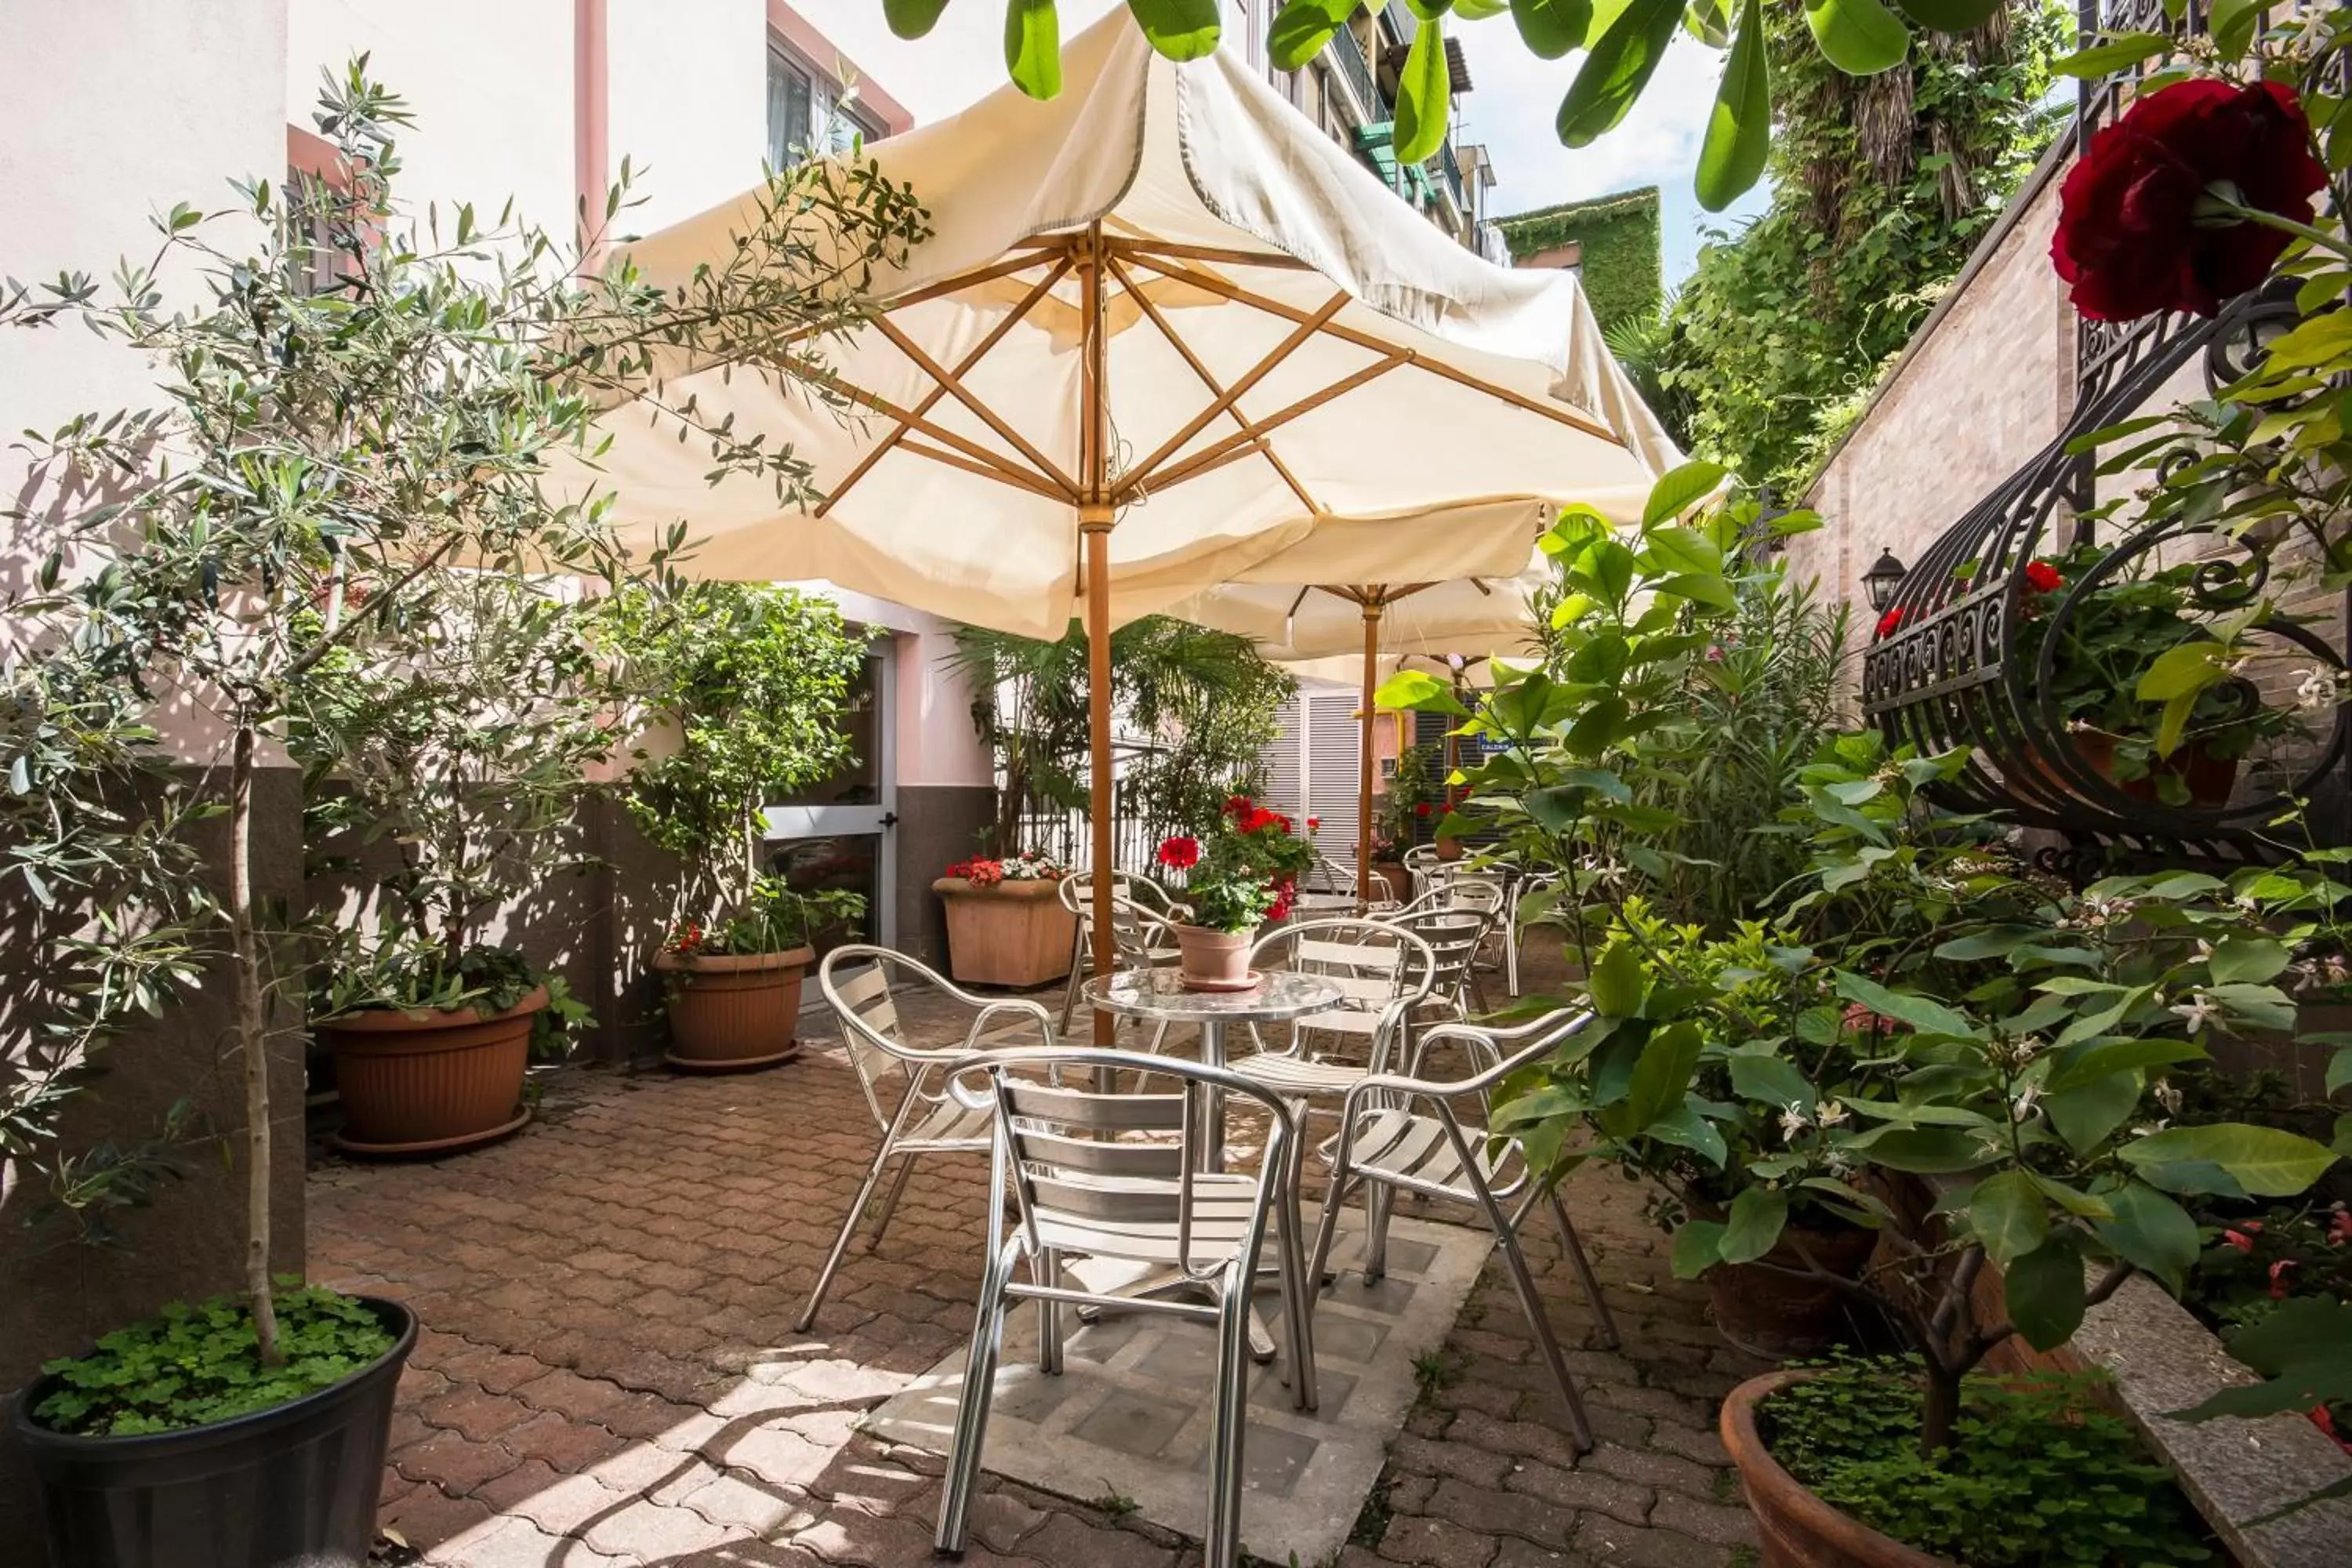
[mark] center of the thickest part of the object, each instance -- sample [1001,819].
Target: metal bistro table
[1160,995]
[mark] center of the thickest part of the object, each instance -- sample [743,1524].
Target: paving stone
[563,1444]
[1705,1446]
[654,1533]
[1603,1540]
[1438,1542]
[1651,1469]
[1504,1513]
[1723,1524]
[1581,1490]
[1065,1538]
[478,1414]
[452,1461]
[1462,1461]
[428,1516]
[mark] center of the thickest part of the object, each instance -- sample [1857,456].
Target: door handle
[889,819]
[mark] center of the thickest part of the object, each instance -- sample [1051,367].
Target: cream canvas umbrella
[1164,334]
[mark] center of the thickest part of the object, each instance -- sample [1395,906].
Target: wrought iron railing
[1348,52]
[1953,670]
[1450,168]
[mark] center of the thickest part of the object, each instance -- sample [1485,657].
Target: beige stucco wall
[688,85]
[1988,386]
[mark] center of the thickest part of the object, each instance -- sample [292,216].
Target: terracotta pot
[2210,779]
[1779,1318]
[1797,1529]
[1450,849]
[731,1012]
[1014,933]
[1395,878]
[1211,960]
[430,1082]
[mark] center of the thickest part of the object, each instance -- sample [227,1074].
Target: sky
[1510,107]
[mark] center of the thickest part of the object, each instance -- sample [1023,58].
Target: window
[792,99]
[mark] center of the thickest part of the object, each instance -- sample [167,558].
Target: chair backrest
[1481,890]
[1454,937]
[1103,1167]
[1421,859]
[1077,892]
[1336,875]
[1374,963]
[860,982]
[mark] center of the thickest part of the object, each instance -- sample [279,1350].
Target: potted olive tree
[324,457]
[746,687]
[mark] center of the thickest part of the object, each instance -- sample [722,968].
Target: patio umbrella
[1387,625]
[1164,334]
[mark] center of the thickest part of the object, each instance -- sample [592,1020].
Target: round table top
[1161,993]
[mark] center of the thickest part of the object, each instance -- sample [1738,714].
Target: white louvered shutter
[1334,766]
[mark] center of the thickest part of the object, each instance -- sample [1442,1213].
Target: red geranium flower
[1181,853]
[2339,1228]
[2279,1271]
[1238,805]
[1313,823]
[2138,231]
[1890,621]
[2239,1239]
[1422,809]
[2042,577]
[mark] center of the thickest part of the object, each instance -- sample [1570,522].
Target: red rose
[1889,622]
[2042,577]
[1179,853]
[2138,229]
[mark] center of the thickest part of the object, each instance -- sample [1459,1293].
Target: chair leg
[1297,1296]
[841,1242]
[1511,953]
[1049,1312]
[1583,1266]
[1228,1421]
[1508,1237]
[890,1202]
[1077,975]
[1378,1205]
[972,1409]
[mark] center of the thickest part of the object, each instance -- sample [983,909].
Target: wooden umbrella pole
[1095,519]
[1371,603]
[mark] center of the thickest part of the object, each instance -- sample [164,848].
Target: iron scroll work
[1954,669]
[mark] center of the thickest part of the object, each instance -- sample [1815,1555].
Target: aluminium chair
[1099,1176]
[1400,1133]
[1143,917]
[905,1084]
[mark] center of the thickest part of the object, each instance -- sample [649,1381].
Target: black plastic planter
[293,1487]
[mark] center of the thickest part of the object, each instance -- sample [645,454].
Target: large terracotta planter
[736,1011]
[1798,1530]
[2210,780]
[430,1082]
[1781,1318]
[1211,960]
[1391,875]
[1014,933]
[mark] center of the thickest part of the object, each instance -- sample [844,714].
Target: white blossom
[2197,1012]
[2022,1107]
[1792,1121]
[2168,1096]
[2321,687]
[1831,1113]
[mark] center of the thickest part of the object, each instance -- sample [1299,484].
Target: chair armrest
[1536,1041]
[1035,1012]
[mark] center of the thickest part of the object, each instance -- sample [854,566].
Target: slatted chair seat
[1413,1153]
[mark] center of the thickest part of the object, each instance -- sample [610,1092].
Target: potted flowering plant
[1241,873]
[735,983]
[1006,925]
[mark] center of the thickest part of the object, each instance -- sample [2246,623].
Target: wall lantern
[1881,582]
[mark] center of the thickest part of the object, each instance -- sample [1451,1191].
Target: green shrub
[2036,1474]
[192,1365]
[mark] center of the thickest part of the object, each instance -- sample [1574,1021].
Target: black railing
[1350,54]
[1450,168]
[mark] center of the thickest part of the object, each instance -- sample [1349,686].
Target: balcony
[1449,168]
[1348,53]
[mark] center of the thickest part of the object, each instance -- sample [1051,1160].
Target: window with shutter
[1334,757]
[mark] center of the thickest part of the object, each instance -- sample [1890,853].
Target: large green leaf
[2265,1161]
[1708,21]
[1180,29]
[1772,1079]
[1950,15]
[2010,1217]
[1698,1246]
[2151,1232]
[1929,1151]
[1927,1016]
[1662,1075]
[1679,489]
[1303,27]
[1033,47]
[1622,62]
[1553,27]
[1617,983]
[1424,88]
[2086,1114]
[1757,1218]
[2304,1347]
[912,18]
[2250,959]
[2045,1292]
[1861,38]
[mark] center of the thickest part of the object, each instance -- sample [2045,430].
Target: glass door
[836,832]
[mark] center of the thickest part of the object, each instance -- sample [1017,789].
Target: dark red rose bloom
[1179,853]
[2042,577]
[2129,238]
[1892,621]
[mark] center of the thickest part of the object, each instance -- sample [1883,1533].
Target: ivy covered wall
[1622,267]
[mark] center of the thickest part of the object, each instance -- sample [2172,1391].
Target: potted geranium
[1240,874]
[735,983]
[1006,922]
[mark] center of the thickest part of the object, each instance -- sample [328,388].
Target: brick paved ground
[607,1372]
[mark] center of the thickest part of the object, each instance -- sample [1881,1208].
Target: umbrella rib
[1282,351]
[1184,351]
[946,438]
[1218,285]
[1144,249]
[1053,275]
[952,382]
[915,449]
[1238,444]
[978,275]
